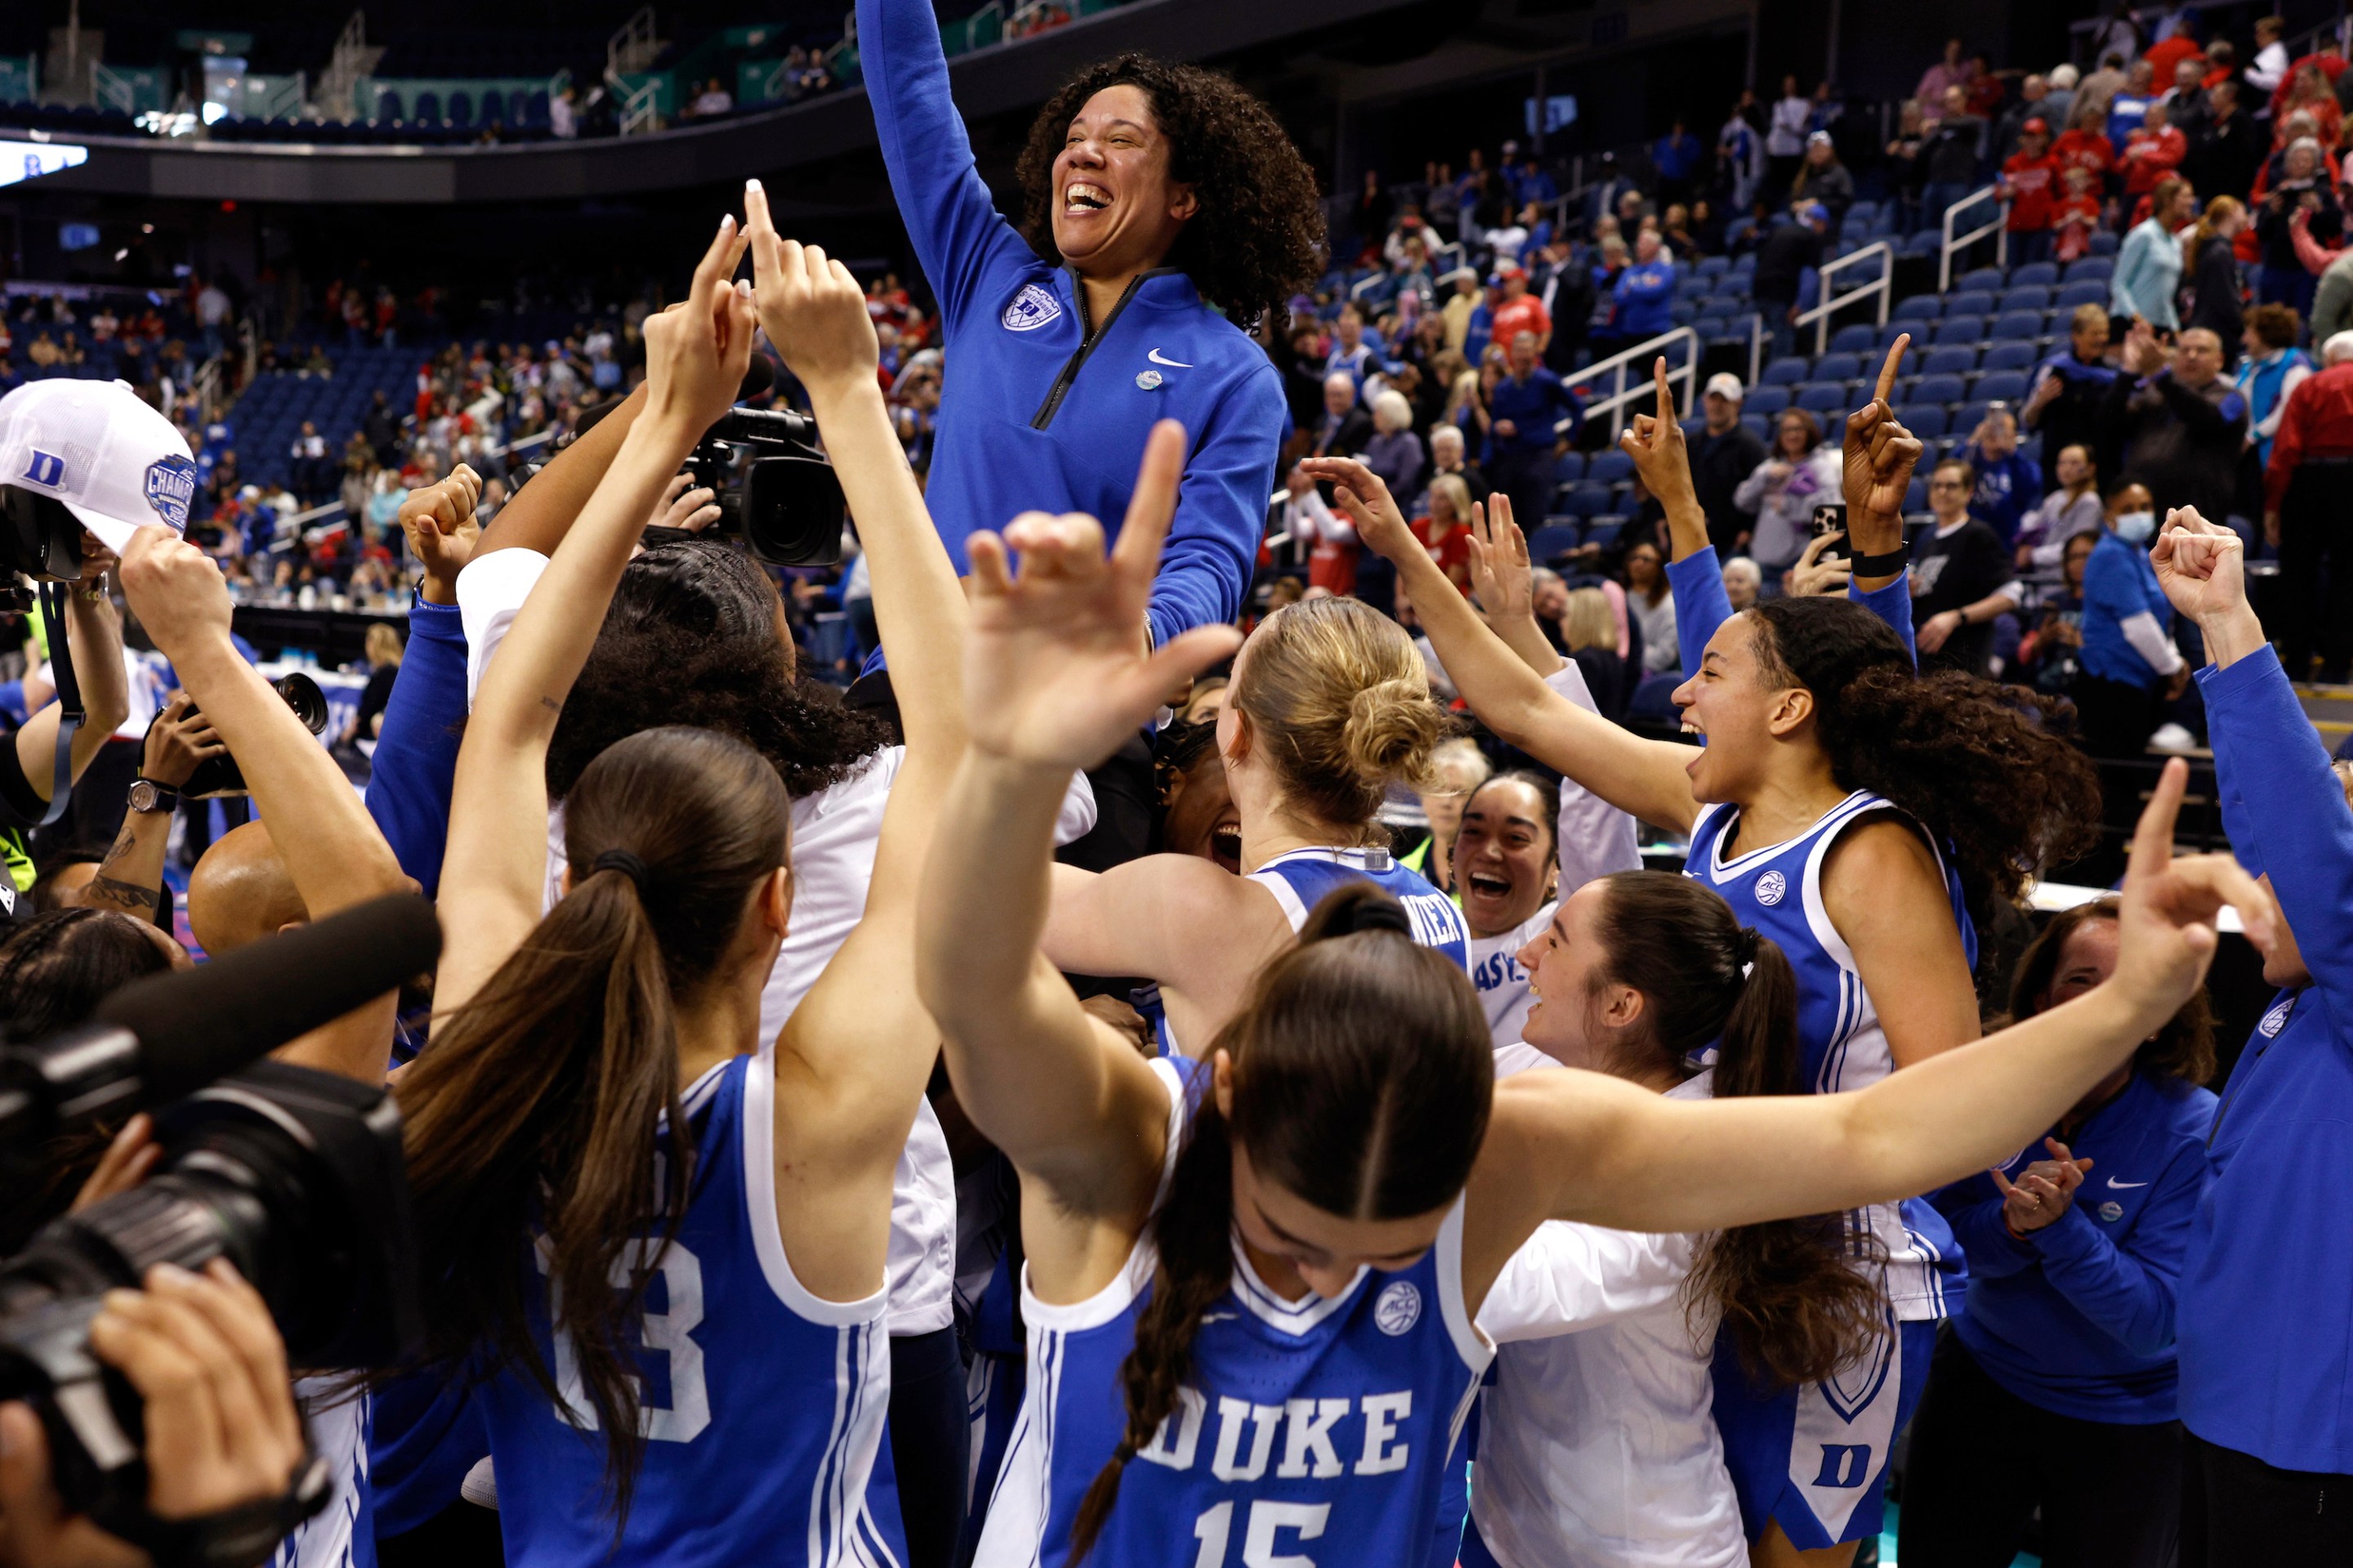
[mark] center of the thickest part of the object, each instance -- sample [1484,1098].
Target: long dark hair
[539,1105]
[1789,1292]
[1258,236]
[2183,1048]
[1983,767]
[1361,1080]
[692,640]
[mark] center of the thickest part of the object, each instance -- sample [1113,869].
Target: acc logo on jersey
[1147,379]
[1032,308]
[2112,1211]
[170,485]
[1771,888]
[2275,1020]
[1398,1310]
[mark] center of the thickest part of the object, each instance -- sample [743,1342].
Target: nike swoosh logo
[1172,363]
[2120,1185]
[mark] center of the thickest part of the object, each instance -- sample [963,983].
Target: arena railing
[1630,370]
[1954,244]
[1829,304]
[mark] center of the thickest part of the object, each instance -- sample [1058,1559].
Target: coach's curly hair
[1258,237]
[1984,768]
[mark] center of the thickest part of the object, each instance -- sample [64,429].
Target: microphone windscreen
[758,377]
[200,1024]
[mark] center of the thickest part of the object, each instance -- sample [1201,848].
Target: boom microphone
[160,1039]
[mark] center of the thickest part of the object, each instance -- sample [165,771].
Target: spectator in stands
[1739,160]
[1788,259]
[1784,135]
[2309,94]
[2152,150]
[2186,105]
[564,114]
[2008,482]
[2148,264]
[2075,216]
[1444,528]
[1446,456]
[1952,70]
[1960,577]
[2304,187]
[1822,177]
[2100,88]
[2309,516]
[2178,421]
[2063,406]
[1330,536]
[2131,106]
[1905,167]
[2073,508]
[1650,605]
[1354,355]
[1346,426]
[2028,183]
[1781,493]
[1674,158]
[2270,67]
[1562,283]
[1743,582]
[1394,451]
[1523,409]
[2047,652]
[2228,149]
[1641,301]
[2085,144]
[2215,291]
[2065,1343]
[1723,453]
[2128,653]
[2033,103]
[712,101]
[2274,369]
[1951,156]
[2332,298]
[1516,311]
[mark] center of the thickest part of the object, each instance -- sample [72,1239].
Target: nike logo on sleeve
[1156,358]
[2121,1185]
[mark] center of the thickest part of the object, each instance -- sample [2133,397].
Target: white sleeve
[2148,640]
[1330,525]
[1596,837]
[490,591]
[1570,1277]
[1076,820]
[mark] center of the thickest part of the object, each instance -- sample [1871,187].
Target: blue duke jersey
[1300,879]
[1813,1457]
[762,1406]
[1314,1431]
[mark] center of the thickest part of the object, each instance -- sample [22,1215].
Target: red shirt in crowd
[2084,150]
[2076,218]
[1452,550]
[2033,185]
[1513,317]
[2150,155]
[2316,423]
[2168,53]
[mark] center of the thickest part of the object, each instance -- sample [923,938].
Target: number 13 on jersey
[668,1332]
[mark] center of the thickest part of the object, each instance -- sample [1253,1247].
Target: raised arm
[543,510]
[495,875]
[131,878]
[1220,509]
[329,843]
[1056,678]
[95,637]
[1695,575]
[1643,777]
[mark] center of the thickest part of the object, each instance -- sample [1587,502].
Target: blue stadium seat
[1936,389]
[1968,417]
[388,104]
[1821,397]
[2011,357]
[1960,329]
[1604,531]
[1926,420]
[1569,469]
[1585,500]
[1721,306]
[1856,338]
[1918,308]
[1951,360]
[2000,386]
[1553,539]
[1916,495]
[1839,368]
[1979,278]
[1651,701]
[2085,291]
[1710,328]
[2104,244]
[1765,400]
[462,108]
[2042,273]
[2032,297]
[1758,426]
[1712,266]
[1609,466]
[2090,268]
[1682,312]
[429,107]
[2013,325]
[1969,302]
[1783,372]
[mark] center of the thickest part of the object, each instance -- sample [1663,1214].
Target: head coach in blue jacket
[1179,213]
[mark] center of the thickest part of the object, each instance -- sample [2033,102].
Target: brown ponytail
[1362,1077]
[1789,1292]
[537,1108]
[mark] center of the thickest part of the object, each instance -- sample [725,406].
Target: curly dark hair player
[1178,212]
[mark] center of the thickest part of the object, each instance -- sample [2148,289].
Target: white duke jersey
[1314,1432]
[1503,992]
[1778,890]
[1301,878]
[762,1406]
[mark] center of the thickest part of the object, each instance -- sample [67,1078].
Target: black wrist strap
[1890,565]
[242,1537]
[71,713]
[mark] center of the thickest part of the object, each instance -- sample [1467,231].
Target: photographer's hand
[442,531]
[131,878]
[690,510]
[95,637]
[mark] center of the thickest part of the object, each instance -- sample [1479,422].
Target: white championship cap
[117,464]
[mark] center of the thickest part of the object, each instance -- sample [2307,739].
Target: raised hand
[2043,1192]
[1056,670]
[697,349]
[1656,444]
[176,742]
[176,590]
[2166,925]
[812,309]
[1877,460]
[2200,564]
[1813,576]
[1364,497]
[442,530]
[690,510]
[1502,576]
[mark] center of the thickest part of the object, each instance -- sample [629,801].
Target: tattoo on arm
[117,894]
[550,704]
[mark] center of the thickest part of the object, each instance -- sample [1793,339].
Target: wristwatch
[148,796]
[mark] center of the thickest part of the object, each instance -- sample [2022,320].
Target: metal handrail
[1954,245]
[637,105]
[111,89]
[1883,286]
[1641,354]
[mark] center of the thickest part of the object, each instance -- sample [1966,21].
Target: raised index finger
[718,260]
[1666,392]
[1894,362]
[2152,840]
[1149,511]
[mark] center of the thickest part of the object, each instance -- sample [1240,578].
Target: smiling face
[1577,1014]
[1116,208]
[1202,819]
[1503,861]
[1741,707]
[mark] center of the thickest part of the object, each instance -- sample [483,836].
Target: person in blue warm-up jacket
[1179,214]
[2054,1385]
[2265,1314]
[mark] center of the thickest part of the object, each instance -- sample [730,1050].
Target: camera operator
[316,850]
[221,1429]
